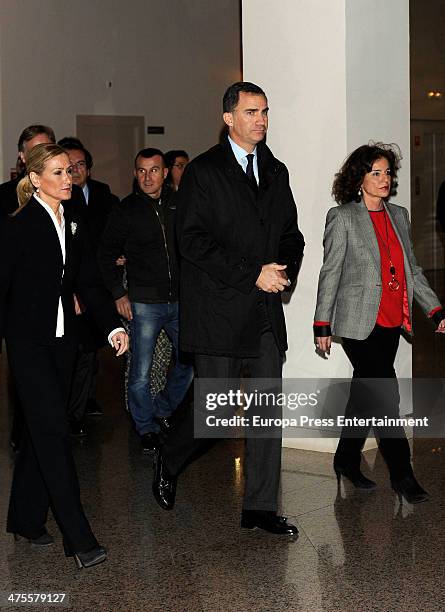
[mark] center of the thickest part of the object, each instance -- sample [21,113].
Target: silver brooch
[73,228]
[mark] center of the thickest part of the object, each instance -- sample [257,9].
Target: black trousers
[18,422]
[373,358]
[45,474]
[262,461]
[83,384]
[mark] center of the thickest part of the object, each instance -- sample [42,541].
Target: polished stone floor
[357,551]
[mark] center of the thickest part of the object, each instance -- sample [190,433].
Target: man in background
[95,202]
[28,139]
[142,228]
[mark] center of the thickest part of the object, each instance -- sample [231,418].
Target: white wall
[299,59]
[378,92]
[336,74]
[1,105]
[169,61]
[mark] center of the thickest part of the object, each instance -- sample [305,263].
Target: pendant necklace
[393,284]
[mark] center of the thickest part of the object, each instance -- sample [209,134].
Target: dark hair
[34,130]
[71,143]
[348,180]
[70,140]
[231,97]
[149,152]
[170,156]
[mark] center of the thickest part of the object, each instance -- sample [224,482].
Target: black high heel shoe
[410,489]
[96,555]
[355,476]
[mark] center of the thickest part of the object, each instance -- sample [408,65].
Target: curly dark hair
[348,180]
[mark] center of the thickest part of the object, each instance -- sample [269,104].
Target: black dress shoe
[44,540]
[77,429]
[267,520]
[410,489]
[355,476]
[164,423]
[91,557]
[150,442]
[93,408]
[164,484]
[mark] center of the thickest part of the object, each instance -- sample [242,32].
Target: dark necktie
[249,172]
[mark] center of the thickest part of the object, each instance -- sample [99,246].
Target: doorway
[427,174]
[113,141]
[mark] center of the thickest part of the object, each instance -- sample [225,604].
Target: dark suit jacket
[32,277]
[100,204]
[95,217]
[8,197]
[225,234]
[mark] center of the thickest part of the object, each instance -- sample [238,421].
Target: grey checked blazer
[350,283]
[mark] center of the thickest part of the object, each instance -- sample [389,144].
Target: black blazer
[225,234]
[8,197]
[100,204]
[95,216]
[33,277]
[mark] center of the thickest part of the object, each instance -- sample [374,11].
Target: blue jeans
[148,320]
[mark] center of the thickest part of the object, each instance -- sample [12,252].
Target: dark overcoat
[226,232]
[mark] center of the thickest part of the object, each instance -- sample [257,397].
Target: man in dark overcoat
[241,247]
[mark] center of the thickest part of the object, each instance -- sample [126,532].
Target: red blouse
[390,312]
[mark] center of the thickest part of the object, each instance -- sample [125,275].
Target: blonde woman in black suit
[45,260]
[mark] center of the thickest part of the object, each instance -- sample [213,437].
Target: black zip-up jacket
[142,229]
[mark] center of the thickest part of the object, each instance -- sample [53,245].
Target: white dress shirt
[241,158]
[60,229]
[86,192]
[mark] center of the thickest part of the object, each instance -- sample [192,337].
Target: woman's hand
[441,327]
[324,343]
[120,342]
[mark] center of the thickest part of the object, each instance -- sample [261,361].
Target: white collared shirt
[60,229]
[86,192]
[241,157]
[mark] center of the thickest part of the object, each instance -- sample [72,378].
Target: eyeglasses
[79,164]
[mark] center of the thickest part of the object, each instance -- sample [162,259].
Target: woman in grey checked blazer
[366,288]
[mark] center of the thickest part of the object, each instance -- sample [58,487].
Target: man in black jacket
[94,205]
[241,247]
[28,139]
[142,228]
[97,196]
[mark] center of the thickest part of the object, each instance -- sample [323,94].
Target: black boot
[410,489]
[355,476]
